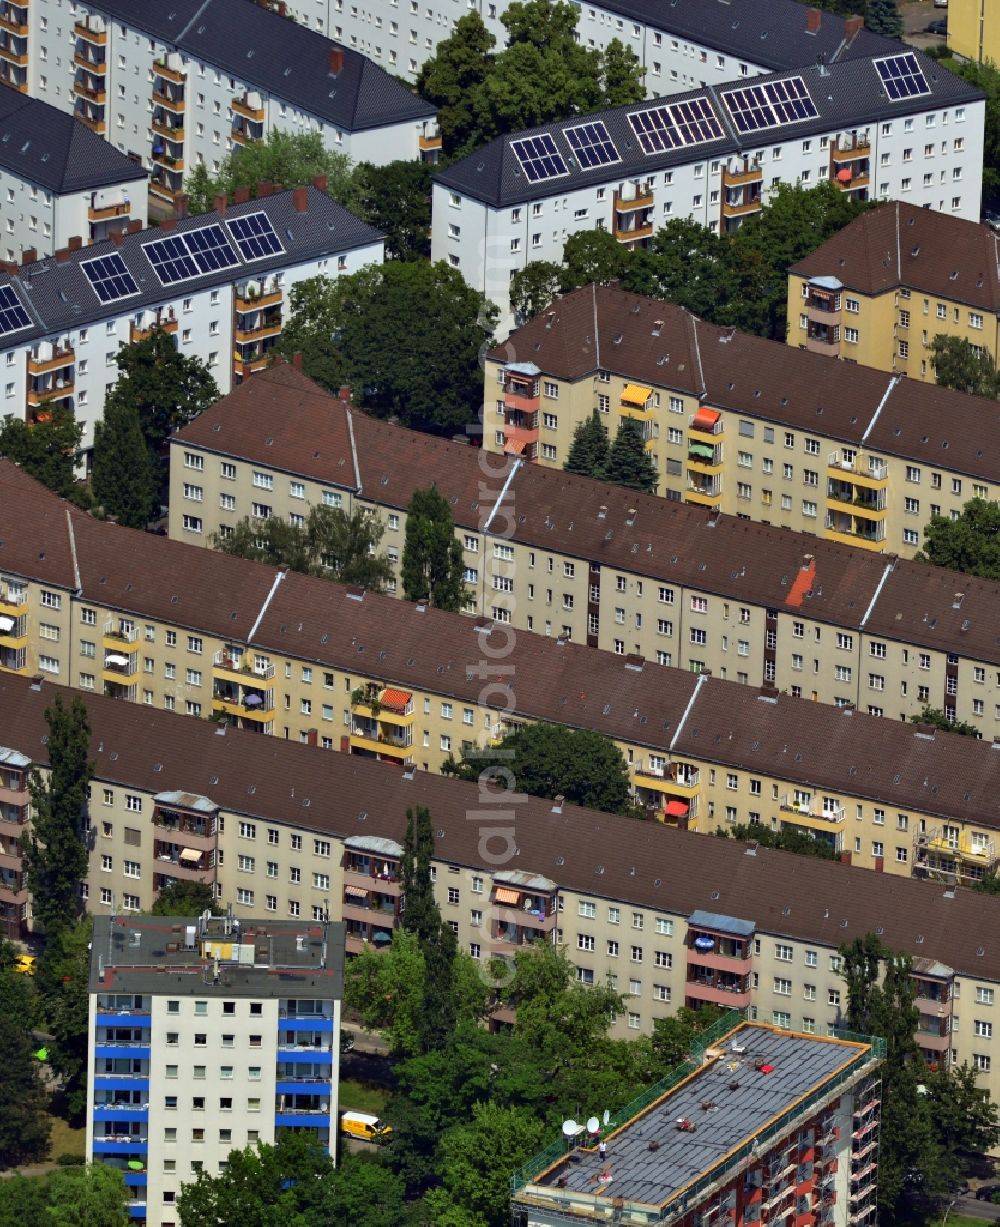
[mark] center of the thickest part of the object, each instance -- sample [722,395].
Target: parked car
[940,4]
[940,26]
[991,219]
[346,1041]
[25,964]
[988,1192]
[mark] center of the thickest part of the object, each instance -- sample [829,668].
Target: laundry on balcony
[116,658]
[676,809]
[705,450]
[189,855]
[356,892]
[506,895]
[706,419]
[6,623]
[253,700]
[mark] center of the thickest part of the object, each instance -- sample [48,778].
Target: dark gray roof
[59,296]
[847,95]
[771,33]
[278,57]
[46,146]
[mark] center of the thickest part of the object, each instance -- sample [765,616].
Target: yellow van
[365,1126]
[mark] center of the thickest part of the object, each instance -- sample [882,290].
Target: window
[983,1029]
[585,941]
[783,953]
[586,909]
[782,987]
[635,954]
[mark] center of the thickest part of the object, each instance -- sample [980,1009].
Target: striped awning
[705,419]
[506,895]
[636,394]
[395,698]
[356,892]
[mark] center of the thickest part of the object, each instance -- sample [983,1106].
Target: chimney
[336,60]
[134,226]
[241,195]
[297,359]
[181,205]
[62,255]
[75,243]
[220,204]
[168,223]
[29,256]
[853,27]
[265,188]
[312,737]
[300,199]
[320,183]
[813,20]
[118,237]
[345,395]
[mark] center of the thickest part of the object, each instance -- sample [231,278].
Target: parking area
[917,15]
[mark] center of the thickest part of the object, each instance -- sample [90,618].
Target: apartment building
[306,659]
[184,85]
[838,451]
[885,286]
[974,30]
[285,833]
[206,1036]
[680,47]
[711,155]
[219,283]
[787,1124]
[59,183]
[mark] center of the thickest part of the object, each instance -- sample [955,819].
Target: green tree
[958,366]
[589,451]
[124,478]
[349,330]
[936,717]
[452,77]
[550,760]
[289,159]
[988,884]
[433,566]
[54,853]
[673,1037]
[883,18]
[629,464]
[970,544]
[966,1120]
[533,287]
[180,898]
[423,919]
[789,840]
[396,199]
[24,1123]
[62,973]
[593,256]
[46,450]
[386,988]
[621,75]
[685,264]
[91,1196]
[333,543]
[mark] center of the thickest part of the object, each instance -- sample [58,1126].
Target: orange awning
[356,892]
[676,809]
[705,419]
[845,175]
[514,447]
[395,698]
[506,895]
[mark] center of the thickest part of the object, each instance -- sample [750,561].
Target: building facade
[287,835]
[974,31]
[733,423]
[219,283]
[711,155]
[787,1124]
[183,87]
[304,659]
[206,1036]
[59,183]
[893,280]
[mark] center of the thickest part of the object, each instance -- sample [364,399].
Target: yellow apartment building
[278,830]
[974,30]
[587,562]
[880,290]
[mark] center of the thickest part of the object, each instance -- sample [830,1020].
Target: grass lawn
[960,1220]
[362,1096]
[66,1140]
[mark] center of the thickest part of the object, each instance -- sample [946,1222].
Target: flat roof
[754,1076]
[260,958]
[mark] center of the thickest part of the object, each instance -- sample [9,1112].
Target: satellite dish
[570,1128]
[593,1125]
[607,1115]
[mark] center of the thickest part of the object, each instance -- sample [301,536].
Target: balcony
[245,302]
[12,22]
[641,198]
[105,213]
[97,38]
[386,704]
[83,59]
[858,145]
[715,960]
[962,845]
[241,667]
[381,742]
[372,873]
[703,496]
[735,175]
[731,993]
[822,338]
[174,861]
[169,102]
[54,391]
[807,812]
[95,125]
[120,637]
[429,146]
[932,998]
[188,830]
[164,323]
[706,425]
[873,474]
[266,328]
[10,53]
[851,530]
[240,106]
[841,497]
[118,666]
[167,129]
[821,304]
[162,69]
[741,204]
[671,778]
[359,905]
[95,94]
[702,458]
[632,232]
[243,135]
[13,600]
[167,161]
[521,395]
[247,366]
[256,706]
[13,631]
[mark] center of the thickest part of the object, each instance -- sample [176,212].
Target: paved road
[985,1210]
[916,14]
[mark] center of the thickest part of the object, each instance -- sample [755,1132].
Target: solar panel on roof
[674,125]
[254,236]
[110,278]
[171,260]
[210,248]
[592,145]
[539,158]
[769,105]
[13,316]
[902,76]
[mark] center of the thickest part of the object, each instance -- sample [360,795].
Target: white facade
[931,158]
[230,322]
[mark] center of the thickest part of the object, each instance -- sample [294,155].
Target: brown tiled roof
[901,245]
[581,850]
[34,541]
[285,419]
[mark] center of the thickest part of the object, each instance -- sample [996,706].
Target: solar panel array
[539,158]
[211,249]
[171,260]
[676,124]
[192,254]
[769,105]
[110,278]
[592,145]
[902,76]
[13,316]
[254,236]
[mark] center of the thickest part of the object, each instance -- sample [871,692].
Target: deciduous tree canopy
[970,544]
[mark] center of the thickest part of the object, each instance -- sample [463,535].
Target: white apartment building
[206,1036]
[895,127]
[683,45]
[60,184]
[186,83]
[218,282]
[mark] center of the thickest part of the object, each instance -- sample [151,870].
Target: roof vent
[557,804]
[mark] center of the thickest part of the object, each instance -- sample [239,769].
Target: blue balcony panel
[305,1023]
[121,1082]
[136,1147]
[121,1112]
[135,1180]
[302,1056]
[139,1021]
[137,1209]
[302,1120]
[302,1086]
[121,1052]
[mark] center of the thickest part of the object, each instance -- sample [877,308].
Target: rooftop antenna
[607,1115]
[570,1128]
[593,1126]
